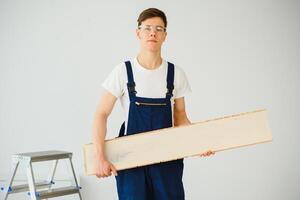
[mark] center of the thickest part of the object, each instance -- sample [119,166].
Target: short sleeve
[181,84]
[114,83]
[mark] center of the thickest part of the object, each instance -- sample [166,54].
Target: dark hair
[152,12]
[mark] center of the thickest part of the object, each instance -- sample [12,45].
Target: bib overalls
[161,181]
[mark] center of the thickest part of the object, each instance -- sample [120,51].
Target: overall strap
[170,80]
[130,83]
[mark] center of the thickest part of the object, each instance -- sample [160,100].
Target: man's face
[152,34]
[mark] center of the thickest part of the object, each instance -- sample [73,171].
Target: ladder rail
[74,176]
[31,181]
[15,165]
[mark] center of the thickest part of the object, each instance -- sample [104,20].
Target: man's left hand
[207,153]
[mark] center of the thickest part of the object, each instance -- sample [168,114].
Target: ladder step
[43,155]
[25,187]
[56,192]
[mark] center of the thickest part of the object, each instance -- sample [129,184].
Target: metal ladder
[32,187]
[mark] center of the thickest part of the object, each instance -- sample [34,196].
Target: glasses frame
[157,29]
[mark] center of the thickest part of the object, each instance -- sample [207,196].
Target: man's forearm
[99,133]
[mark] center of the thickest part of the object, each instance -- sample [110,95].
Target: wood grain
[180,142]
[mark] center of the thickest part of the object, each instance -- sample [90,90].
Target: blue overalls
[161,181]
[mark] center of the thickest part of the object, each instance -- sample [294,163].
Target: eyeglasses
[149,28]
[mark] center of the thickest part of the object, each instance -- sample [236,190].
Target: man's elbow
[101,114]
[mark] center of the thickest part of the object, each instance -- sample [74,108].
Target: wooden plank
[179,142]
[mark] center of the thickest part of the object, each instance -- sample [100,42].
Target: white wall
[238,55]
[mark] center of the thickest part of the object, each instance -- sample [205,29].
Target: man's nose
[153,33]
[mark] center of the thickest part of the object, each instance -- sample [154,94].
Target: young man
[151,91]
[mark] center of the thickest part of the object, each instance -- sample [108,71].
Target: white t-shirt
[149,83]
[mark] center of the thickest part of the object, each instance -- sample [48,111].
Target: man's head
[151,31]
[150,13]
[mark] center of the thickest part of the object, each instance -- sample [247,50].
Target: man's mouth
[151,41]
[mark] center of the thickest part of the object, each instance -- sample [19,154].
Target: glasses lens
[148,28]
[159,28]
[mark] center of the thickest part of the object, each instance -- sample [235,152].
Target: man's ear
[165,36]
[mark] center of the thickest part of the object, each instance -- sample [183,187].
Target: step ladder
[40,190]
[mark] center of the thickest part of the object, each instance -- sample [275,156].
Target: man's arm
[103,167]
[180,118]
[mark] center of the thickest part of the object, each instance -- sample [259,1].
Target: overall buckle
[170,90]
[131,87]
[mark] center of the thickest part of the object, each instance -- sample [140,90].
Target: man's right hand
[104,168]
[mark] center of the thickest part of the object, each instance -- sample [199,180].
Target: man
[151,91]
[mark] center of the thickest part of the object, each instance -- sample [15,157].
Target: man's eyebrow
[153,25]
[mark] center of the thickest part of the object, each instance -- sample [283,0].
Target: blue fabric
[161,181]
